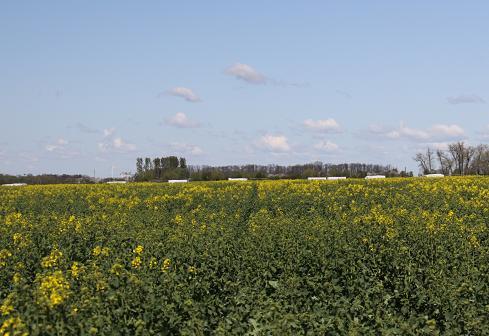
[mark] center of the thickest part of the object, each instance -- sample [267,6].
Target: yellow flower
[100,251]
[136,262]
[52,259]
[166,265]
[20,241]
[75,270]
[13,327]
[53,289]
[96,251]
[474,241]
[7,307]
[4,255]
[153,262]
[178,219]
[192,269]
[16,278]
[139,249]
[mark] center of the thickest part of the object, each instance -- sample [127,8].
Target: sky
[93,85]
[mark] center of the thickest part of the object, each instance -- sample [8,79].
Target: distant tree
[183,163]
[461,155]
[147,164]
[139,166]
[157,167]
[445,162]
[173,162]
[425,161]
[480,161]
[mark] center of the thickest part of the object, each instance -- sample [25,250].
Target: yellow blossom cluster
[53,289]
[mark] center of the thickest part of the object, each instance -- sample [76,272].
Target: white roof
[112,182]
[317,178]
[14,184]
[375,176]
[177,181]
[336,177]
[237,179]
[434,175]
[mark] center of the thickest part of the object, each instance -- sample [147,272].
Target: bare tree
[430,156]
[425,161]
[446,163]
[459,158]
[457,152]
[468,156]
[480,160]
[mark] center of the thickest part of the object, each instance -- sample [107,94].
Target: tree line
[252,171]
[458,159]
[45,179]
[164,168]
[171,167]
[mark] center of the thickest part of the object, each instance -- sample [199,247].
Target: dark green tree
[139,166]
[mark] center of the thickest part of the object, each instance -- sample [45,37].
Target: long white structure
[374,177]
[237,179]
[116,182]
[14,184]
[434,175]
[337,178]
[177,181]
[316,178]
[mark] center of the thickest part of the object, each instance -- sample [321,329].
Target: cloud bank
[181,120]
[184,93]
[465,99]
[246,73]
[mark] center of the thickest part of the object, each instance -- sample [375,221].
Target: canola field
[354,257]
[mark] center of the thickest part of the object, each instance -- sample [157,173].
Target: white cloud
[447,130]
[324,125]
[184,93]
[187,148]
[120,144]
[437,145]
[438,132]
[326,146]
[180,120]
[114,144]
[274,143]
[466,99]
[62,148]
[246,73]
[58,145]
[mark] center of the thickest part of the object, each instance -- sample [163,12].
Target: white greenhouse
[434,175]
[177,181]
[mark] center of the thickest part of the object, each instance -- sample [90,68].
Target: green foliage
[392,257]
[166,168]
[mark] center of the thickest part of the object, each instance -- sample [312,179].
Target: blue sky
[91,85]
